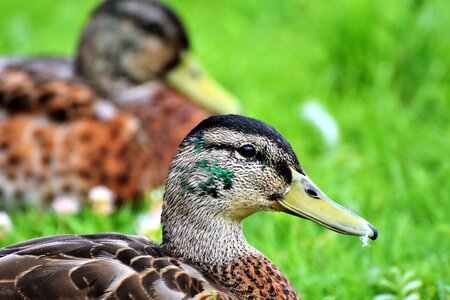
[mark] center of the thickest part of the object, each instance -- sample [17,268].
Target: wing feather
[99,266]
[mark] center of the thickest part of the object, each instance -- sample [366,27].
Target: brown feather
[100,266]
[254,276]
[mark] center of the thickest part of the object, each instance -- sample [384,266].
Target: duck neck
[201,238]
[218,247]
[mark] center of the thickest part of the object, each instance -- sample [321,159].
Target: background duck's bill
[189,78]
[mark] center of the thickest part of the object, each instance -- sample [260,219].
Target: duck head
[129,44]
[230,166]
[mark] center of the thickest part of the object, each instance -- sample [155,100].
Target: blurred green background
[380,69]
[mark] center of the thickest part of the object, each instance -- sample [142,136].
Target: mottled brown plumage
[227,168]
[64,138]
[114,117]
[100,266]
[253,277]
[26,91]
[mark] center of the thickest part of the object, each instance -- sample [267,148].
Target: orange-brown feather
[54,143]
[253,277]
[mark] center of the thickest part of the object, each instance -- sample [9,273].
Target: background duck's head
[231,166]
[129,43]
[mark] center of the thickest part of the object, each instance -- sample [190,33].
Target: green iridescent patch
[218,174]
[199,144]
[210,186]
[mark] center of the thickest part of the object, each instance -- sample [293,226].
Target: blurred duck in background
[113,117]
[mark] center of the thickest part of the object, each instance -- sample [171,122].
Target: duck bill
[306,200]
[189,78]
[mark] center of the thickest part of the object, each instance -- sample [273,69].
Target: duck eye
[247,151]
[152,27]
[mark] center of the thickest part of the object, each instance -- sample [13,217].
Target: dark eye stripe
[283,170]
[152,28]
[281,167]
[256,155]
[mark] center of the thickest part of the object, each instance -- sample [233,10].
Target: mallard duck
[114,117]
[227,168]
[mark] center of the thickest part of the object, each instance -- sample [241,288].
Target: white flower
[149,224]
[105,110]
[5,224]
[66,205]
[156,195]
[314,112]
[102,200]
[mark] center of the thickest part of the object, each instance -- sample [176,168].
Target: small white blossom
[156,195]
[314,112]
[66,205]
[149,224]
[102,200]
[5,224]
[105,110]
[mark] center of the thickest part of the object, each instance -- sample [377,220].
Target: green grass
[380,68]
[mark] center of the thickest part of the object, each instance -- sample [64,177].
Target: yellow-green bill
[189,78]
[306,200]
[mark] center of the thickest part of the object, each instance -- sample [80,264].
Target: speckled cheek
[156,55]
[243,207]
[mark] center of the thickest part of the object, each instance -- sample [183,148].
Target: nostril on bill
[312,193]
